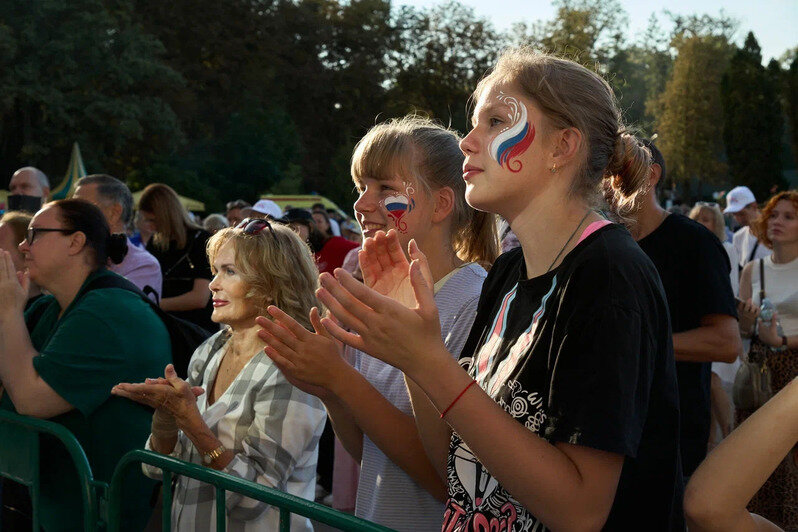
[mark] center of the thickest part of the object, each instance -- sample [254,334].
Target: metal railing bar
[223,481]
[75,451]
[166,502]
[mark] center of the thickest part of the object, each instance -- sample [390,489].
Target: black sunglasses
[254,226]
[30,234]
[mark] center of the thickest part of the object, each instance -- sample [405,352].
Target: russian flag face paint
[398,205]
[514,139]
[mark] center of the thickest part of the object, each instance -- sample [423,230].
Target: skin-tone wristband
[470,384]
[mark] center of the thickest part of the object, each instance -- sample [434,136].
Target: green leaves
[76,71]
[233,98]
[753,123]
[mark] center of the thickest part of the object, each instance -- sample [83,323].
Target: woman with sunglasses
[61,359]
[237,413]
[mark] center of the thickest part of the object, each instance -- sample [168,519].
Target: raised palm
[386,268]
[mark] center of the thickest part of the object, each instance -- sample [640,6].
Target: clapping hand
[394,317]
[386,269]
[13,287]
[309,360]
[168,394]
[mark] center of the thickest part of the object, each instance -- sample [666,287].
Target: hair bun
[117,247]
[627,172]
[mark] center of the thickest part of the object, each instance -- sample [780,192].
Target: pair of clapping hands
[13,287]
[392,316]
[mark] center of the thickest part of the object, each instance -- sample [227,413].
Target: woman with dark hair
[61,358]
[179,245]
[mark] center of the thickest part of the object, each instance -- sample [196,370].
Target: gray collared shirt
[272,427]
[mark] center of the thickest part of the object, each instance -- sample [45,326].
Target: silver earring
[553,168]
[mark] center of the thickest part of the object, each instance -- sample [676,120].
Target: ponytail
[626,177]
[117,247]
[572,96]
[79,215]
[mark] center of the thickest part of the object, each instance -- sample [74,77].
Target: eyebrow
[487,108]
[225,265]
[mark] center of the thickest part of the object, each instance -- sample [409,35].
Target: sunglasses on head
[254,226]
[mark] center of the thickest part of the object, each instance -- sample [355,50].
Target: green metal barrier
[19,461]
[286,503]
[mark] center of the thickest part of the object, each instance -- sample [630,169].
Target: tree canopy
[236,98]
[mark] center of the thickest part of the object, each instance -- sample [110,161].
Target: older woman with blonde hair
[237,413]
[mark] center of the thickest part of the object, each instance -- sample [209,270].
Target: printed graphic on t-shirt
[486,358]
[476,500]
[549,351]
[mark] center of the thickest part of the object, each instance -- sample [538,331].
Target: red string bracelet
[470,384]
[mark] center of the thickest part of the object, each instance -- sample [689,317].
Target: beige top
[781,288]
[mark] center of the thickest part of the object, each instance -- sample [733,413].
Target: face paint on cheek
[513,140]
[398,205]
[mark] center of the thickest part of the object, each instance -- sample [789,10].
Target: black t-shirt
[694,269]
[180,266]
[581,355]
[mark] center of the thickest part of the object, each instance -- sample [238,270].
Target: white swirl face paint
[514,139]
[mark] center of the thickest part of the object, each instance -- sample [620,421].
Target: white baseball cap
[269,208]
[737,199]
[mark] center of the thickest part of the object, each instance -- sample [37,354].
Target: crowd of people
[514,335]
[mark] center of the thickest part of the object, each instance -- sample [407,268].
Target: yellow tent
[190,204]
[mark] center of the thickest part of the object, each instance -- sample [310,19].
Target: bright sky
[774,22]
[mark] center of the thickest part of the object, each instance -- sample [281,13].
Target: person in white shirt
[741,203]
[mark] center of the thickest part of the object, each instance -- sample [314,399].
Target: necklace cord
[569,240]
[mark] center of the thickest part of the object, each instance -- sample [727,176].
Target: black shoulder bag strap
[750,257]
[761,281]
[753,251]
[186,256]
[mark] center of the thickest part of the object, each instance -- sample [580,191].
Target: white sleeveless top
[781,287]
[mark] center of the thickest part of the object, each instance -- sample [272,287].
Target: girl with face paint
[563,406]
[408,174]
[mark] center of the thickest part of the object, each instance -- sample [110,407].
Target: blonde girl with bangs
[564,405]
[408,176]
[236,412]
